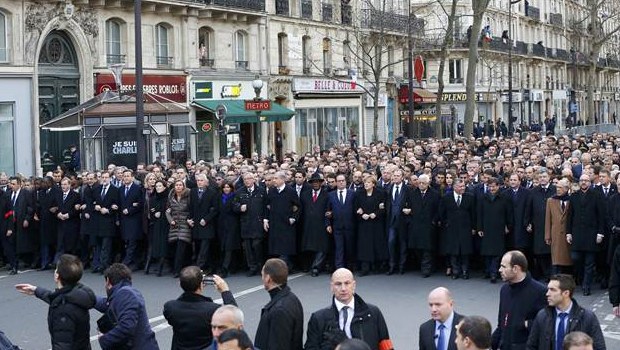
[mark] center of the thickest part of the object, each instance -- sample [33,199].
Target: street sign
[203,90]
[257,105]
[220,112]
[207,127]
[418,68]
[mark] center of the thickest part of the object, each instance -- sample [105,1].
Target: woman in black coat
[148,192]
[158,225]
[371,240]
[228,227]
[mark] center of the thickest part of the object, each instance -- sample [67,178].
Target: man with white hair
[250,203]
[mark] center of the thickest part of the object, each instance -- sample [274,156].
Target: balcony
[556,19]
[346,14]
[241,65]
[327,12]
[115,59]
[563,55]
[538,50]
[456,80]
[163,61]
[532,12]
[207,62]
[254,5]
[306,9]
[282,8]
[389,21]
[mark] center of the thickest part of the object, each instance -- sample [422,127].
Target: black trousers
[397,248]
[103,253]
[253,248]
[181,251]
[203,252]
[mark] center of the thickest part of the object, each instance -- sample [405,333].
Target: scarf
[562,198]
[226,197]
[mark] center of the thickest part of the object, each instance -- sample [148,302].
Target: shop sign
[207,127]
[257,105]
[203,89]
[318,85]
[170,87]
[124,147]
[121,147]
[231,91]
[462,96]
[226,90]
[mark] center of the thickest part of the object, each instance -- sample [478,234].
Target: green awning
[236,112]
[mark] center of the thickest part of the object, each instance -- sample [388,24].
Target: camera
[207,280]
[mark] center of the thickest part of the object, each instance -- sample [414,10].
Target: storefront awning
[236,112]
[423,96]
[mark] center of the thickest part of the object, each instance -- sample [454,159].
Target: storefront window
[207,128]
[7,160]
[326,127]
[180,149]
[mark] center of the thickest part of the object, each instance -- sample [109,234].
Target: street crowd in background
[454,207]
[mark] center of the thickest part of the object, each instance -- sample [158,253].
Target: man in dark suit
[315,238]
[203,209]
[131,202]
[342,223]
[537,207]
[6,221]
[20,241]
[250,203]
[519,238]
[604,257]
[439,332]
[300,185]
[105,207]
[68,220]
[190,315]
[396,227]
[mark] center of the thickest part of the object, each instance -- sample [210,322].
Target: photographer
[68,318]
[190,315]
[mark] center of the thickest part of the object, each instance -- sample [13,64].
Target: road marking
[162,326]
[19,272]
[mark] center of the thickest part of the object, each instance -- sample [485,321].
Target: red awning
[419,95]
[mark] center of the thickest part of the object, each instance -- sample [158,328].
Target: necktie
[559,335]
[103,191]
[340,197]
[441,339]
[200,193]
[126,190]
[563,204]
[458,201]
[64,196]
[314,196]
[14,198]
[345,317]
[606,191]
[396,193]
[485,189]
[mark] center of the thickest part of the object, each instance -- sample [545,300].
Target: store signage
[169,87]
[257,105]
[177,145]
[121,147]
[203,89]
[207,127]
[229,91]
[124,147]
[318,85]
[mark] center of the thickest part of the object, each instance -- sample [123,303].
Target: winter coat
[281,325]
[178,211]
[555,231]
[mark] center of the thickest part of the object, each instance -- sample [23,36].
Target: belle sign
[257,105]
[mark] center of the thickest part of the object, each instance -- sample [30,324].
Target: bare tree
[479,7]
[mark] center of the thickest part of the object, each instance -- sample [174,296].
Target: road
[402,300]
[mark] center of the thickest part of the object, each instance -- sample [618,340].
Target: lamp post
[257,85]
[410,127]
[140,146]
[510,112]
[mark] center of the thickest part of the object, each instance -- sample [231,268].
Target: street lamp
[511,42]
[257,84]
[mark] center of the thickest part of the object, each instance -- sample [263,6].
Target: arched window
[3,38]
[306,53]
[282,51]
[205,46]
[162,43]
[327,56]
[241,59]
[113,46]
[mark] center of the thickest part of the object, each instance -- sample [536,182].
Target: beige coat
[555,232]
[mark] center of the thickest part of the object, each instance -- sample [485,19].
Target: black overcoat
[457,224]
[371,237]
[203,208]
[586,219]
[105,223]
[251,221]
[282,206]
[423,219]
[537,207]
[228,225]
[494,215]
[314,234]
[48,222]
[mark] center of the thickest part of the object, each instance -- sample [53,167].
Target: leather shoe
[315,273]
[455,276]
[251,273]
[493,279]
[401,271]
[13,272]
[426,275]
[390,271]
[465,276]
[586,292]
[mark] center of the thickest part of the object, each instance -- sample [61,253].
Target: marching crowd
[438,205]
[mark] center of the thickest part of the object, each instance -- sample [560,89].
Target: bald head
[343,285]
[342,272]
[440,303]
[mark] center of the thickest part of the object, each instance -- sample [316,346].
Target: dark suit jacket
[343,216]
[394,217]
[427,334]
[131,223]
[105,224]
[205,208]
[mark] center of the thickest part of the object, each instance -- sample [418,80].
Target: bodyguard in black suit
[105,210]
[342,223]
[457,215]
[131,204]
[20,242]
[396,222]
[68,220]
[203,210]
[439,332]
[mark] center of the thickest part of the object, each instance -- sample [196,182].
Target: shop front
[232,117]
[107,126]
[422,124]
[327,112]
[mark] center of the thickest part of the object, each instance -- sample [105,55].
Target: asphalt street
[402,300]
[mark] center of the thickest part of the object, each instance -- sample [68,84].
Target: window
[7,158]
[456,76]
[163,45]
[3,38]
[327,56]
[113,42]
[205,46]
[241,50]
[306,53]
[346,54]
[390,54]
[327,127]
[282,52]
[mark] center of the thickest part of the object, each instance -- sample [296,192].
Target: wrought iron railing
[115,59]
[164,60]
